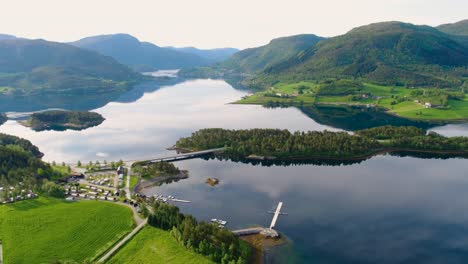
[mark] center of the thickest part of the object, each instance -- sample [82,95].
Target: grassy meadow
[397,100]
[45,230]
[153,246]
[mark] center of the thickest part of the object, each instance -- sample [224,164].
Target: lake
[387,209]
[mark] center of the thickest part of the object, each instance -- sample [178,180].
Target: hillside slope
[389,53]
[39,66]
[277,51]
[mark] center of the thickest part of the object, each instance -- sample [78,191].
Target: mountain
[389,53]
[142,56]
[5,36]
[39,66]
[278,50]
[459,28]
[210,55]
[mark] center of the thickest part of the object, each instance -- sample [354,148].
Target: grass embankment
[45,230]
[152,245]
[400,101]
[133,181]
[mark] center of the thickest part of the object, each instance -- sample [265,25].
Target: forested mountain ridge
[278,50]
[39,66]
[392,53]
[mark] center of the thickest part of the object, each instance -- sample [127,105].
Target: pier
[267,232]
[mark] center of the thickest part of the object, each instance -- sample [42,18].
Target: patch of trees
[20,163]
[26,145]
[221,245]
[339,87]
[391,132]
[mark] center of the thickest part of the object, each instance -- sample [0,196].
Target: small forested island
[3,118]
[284,145]
[60,120]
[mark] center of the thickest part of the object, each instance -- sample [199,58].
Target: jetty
[267,232]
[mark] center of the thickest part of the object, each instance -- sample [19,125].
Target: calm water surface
[384,210]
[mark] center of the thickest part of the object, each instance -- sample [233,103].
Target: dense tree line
[281,143]
[391,132]
[313,144]
[219,244]
[26,145]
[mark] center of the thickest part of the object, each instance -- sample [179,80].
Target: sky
[213,23]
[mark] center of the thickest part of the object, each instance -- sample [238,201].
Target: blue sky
[214,23]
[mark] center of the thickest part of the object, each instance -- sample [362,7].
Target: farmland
[45,230]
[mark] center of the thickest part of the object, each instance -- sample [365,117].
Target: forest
[282,144]
[20,162]
[221,245]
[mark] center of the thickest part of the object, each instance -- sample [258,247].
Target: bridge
[182,156]
[268,232]
[21,115]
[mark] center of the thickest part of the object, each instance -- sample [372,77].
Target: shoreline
[365,156]
[386,110]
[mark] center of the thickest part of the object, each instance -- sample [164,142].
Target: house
[120,170]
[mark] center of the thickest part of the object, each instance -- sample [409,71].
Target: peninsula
[284,145]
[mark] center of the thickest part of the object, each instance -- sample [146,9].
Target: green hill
[391,53]
[278,50]
[459,28]
[39,66]
[240,67]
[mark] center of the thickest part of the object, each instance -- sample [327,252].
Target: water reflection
[384,210]
[145,127]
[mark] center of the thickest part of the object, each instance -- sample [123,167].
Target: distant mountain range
[39,66]
[101,64]
[145,56]
[392,53]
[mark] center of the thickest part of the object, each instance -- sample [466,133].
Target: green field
[152,245]
[397,100]
[44,230]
